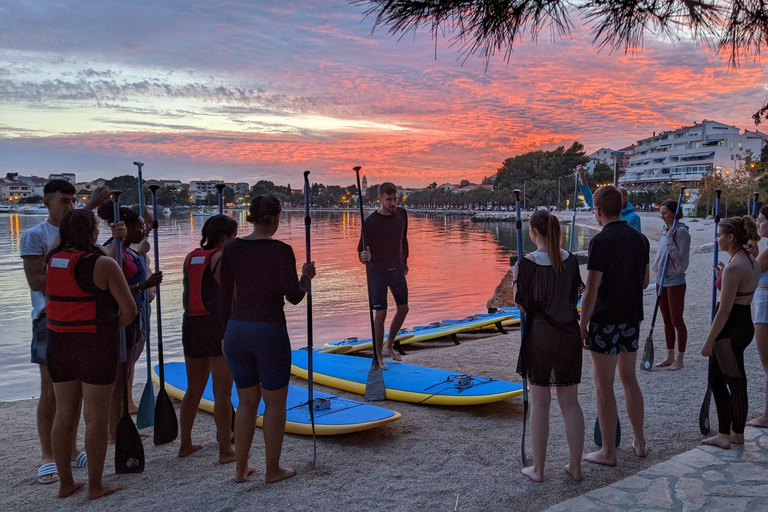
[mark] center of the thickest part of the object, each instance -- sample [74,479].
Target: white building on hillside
[688,153]
[14,190]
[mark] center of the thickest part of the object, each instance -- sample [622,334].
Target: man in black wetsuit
[386,232]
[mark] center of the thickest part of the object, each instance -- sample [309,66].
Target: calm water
[455,265]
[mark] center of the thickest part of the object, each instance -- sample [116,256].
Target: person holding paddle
[732,330]
[386,232]
[202,330]
[761,312]
[257,274]
[547,289]
[618,271]
[676,243]
[135,272]
[88,300]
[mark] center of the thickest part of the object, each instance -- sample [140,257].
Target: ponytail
[548,226]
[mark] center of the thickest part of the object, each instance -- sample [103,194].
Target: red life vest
[195,266]
[69,308]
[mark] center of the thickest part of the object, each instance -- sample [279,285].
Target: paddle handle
[716,257]
[220,196]
[367,273]
[158,314]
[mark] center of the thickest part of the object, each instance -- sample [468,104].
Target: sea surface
[454,267]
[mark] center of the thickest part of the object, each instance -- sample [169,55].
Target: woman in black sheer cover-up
[548,288]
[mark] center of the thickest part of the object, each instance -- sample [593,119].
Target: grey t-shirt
[38,241]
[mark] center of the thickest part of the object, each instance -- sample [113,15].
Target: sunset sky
[248,90]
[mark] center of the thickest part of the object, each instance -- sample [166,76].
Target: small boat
[38,209]
[5,208]
[167,211]
[201,213]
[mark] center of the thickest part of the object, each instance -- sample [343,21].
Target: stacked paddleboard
[404,382]
[341,417]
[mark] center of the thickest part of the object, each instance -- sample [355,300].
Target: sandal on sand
[48,470]
[81,461]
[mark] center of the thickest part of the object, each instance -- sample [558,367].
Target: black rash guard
[387,236]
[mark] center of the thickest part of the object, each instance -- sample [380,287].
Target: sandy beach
[434,458]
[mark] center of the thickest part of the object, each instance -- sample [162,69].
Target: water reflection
[455,265]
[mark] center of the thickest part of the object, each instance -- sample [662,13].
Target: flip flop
[48,469]
[81,461]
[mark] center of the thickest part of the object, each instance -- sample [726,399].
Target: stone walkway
[705,478]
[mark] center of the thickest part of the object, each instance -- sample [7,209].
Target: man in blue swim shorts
[386,232]
[618,271]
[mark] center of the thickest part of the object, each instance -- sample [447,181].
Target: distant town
[703,156]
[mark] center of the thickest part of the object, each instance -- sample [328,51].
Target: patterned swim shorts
[610,339]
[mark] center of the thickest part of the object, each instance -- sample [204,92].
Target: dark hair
[58,185]
[263,208]
[548,226]
[608,199]
[107,212]
[216,228]
[764,211]
[387,188]
[742,228]
[75,232]
[671,205]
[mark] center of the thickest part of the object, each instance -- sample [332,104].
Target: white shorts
[761,306]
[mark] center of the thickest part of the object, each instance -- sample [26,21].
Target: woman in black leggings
[732,330]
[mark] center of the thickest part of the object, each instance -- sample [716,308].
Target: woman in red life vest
[135,272]
[88,300]
[202,330]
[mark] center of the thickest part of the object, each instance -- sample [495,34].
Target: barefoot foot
[640,449]
[226,457]
[737,438]
[675,366]
[530,472]
[720,440]
[242,478]
[600,457]
[70,490]
[664,363]
[104,490]
[281,474]
[186,449]
[759,422]
[575,472]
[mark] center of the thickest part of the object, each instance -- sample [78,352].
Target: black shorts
[89,358]
[201,336]
[258,353]
[394,279]
[610,339]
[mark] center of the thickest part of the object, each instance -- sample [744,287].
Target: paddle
[704,413]
[146,415]
[646,363]
[519,228]
[129,452]
[166,424]
[374,386]
[573,220]
[310,375]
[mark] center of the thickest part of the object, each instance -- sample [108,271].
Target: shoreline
[434,458]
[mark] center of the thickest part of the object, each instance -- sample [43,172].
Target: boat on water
[38,209]
[201,213]
[7,208]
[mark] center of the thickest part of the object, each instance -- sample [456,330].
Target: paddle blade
[704,413]
[166,425]
[146,415]
[599,435]
[646,363]
[374,385]
[129,452]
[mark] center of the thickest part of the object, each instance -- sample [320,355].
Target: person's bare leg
[761,340]
[679,363]
[197,378]
[245,426]
[379,317]
[96,414]
[222,407]
[669,361]
[720,440]
[132,407]
[573,417]
[46,411]
[604,371]
[394,328]
[634,398]
[540,399]
[67,406]
[274,429]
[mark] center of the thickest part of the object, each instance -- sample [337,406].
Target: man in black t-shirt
[386,254]
[618,271]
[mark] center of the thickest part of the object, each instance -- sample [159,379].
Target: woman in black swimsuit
[732,330]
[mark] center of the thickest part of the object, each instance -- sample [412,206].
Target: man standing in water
[59,198]
[618,271]
[386,232]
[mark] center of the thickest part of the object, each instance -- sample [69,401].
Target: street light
[524,195]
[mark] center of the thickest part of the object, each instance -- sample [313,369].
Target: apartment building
[685,155]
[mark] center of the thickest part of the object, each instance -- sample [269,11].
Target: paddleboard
[343,416]
[405,382]
[354,344]
[425,333]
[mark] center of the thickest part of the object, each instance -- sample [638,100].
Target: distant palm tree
[547,190]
